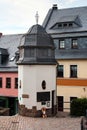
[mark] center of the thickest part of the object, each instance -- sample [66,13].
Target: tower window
[44,84]
[30,52]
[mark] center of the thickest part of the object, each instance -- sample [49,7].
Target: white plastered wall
[31,77]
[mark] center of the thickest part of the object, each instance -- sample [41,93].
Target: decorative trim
[71,82]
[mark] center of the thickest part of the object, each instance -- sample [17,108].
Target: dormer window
[3,56]
[65,25]
[70,24]
[60,25]
[67,22]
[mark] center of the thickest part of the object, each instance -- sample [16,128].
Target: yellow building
[68,28]
[71,82]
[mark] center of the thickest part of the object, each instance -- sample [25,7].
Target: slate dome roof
[36,47]
[37,35]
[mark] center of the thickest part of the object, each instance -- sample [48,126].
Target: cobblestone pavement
[26,123]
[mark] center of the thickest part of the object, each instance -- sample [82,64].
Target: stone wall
[4,111]
[34,112]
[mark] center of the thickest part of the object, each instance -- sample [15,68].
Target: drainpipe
[0,58]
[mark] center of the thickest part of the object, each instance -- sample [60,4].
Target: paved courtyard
[27,123]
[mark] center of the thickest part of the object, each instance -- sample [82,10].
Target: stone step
[62,114]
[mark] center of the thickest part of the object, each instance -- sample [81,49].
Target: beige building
[69,87]
[68,28]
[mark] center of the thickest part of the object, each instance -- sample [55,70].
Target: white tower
[36,73]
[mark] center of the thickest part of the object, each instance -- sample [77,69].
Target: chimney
[54,6]
[0,34]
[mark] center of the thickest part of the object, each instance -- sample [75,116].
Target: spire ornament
[37,17]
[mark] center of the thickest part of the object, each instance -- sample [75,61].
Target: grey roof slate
[71,54]
[36,36]
[77,15]
[67,18]
[63,15]
[10,43]
[40,43]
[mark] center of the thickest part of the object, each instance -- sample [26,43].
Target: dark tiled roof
[3,51]
[10,43]
[40,43]
[63,15]
[71,54]
[76,15]
[67,18]
[36,36]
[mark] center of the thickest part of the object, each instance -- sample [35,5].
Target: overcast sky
[17,16]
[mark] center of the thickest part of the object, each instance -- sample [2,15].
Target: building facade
[9,72]
[68,28]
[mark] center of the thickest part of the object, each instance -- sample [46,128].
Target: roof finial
[37,17]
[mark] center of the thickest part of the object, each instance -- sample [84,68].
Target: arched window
[44,84]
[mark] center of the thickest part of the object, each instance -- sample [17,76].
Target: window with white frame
[61,44]
[73,71]
[74,43]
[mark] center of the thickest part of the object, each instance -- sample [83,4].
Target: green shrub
[78,107]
